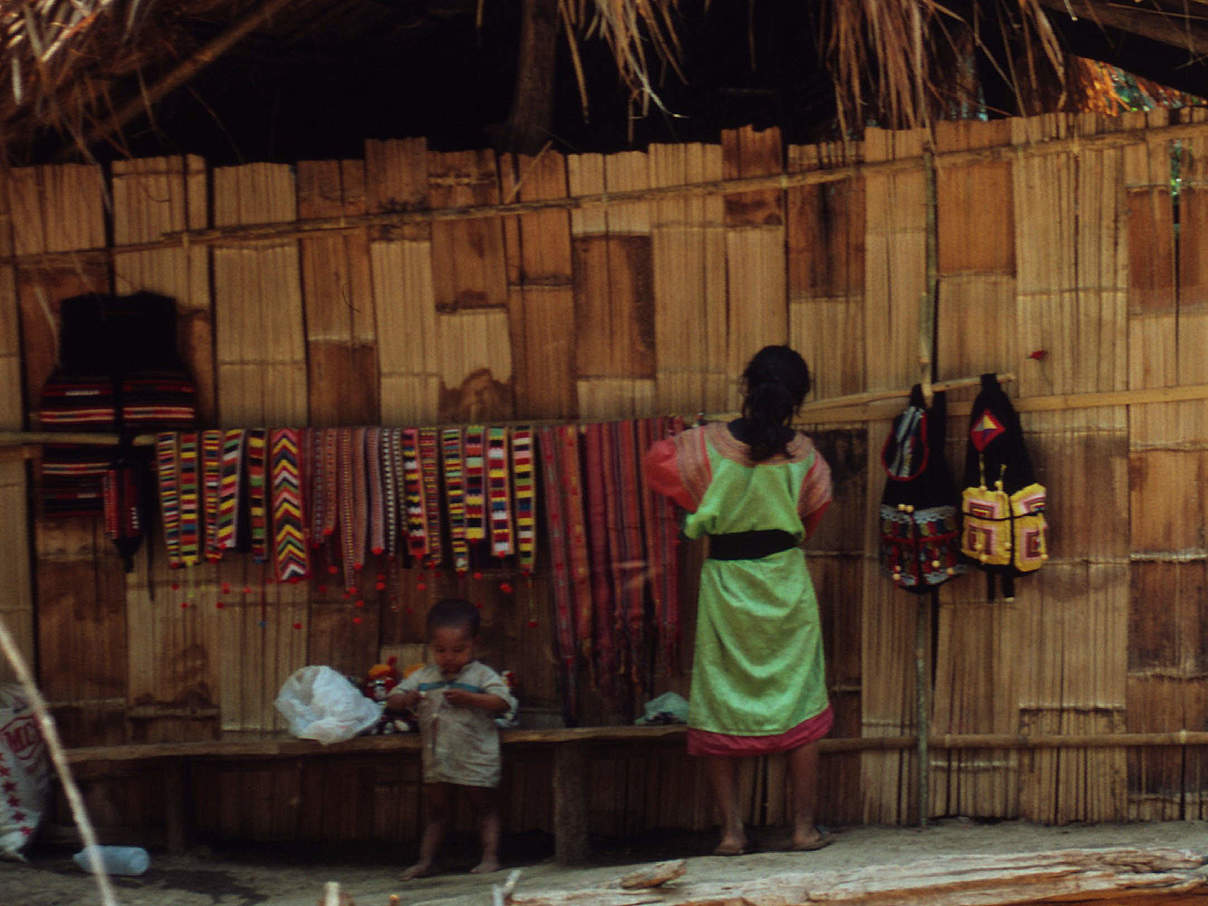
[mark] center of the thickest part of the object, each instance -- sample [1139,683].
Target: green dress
[758,668]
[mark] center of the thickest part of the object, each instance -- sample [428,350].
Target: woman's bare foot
[731,845]
[810,840]
[418,870]
[486,866]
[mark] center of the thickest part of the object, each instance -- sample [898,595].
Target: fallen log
[1136,877]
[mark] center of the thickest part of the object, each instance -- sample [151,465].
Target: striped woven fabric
[391,456]
[228,489]
[160,399]
[429,463]
[606,633]
[167,469]
[257,494]
[211,481]
[499,495]
[626,543]
[327,487]
[190,501]
[289,536]
[525,490]
[352,502]
[373,482]
[455,496]
[475,472]
[72,474]
[576,534]
[413,495]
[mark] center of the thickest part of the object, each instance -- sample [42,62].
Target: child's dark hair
[776,381]
[454,613]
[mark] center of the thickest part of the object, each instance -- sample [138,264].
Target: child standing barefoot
[457,699]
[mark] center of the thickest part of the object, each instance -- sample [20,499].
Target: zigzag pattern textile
[289,536]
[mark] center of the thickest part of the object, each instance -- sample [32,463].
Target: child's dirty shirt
[461,745]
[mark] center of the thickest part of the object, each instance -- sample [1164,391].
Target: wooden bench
[569,758]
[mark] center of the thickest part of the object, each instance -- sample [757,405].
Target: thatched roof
[81,71]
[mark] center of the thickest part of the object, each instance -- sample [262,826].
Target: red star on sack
[10,787]
[4,772]
[27,830]
[985,430]
[14,801]
[18,816]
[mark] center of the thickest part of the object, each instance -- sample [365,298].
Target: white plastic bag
[321,704]
[24,772]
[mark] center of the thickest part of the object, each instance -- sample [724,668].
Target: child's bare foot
[418,870]
[486,866]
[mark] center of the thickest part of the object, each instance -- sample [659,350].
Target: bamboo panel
[260,344]
[174,644]
[403,284]
[973,201]
[475,359]
[689,281]
[262,640]
[612,270]
[1192,331]
[17,610]
[825,245]
[977,326]
[458,179]
[540,295]
[1152,304]
[153,197]
[895,278]
[338,298]
[887,659]
[756,277]
[606,399]
[44,220]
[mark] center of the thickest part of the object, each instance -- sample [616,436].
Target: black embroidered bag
[920,546]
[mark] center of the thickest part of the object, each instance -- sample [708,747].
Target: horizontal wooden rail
[277,746]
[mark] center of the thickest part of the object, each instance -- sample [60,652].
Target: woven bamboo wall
[1058,259]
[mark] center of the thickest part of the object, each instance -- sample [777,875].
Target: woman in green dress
[757,488]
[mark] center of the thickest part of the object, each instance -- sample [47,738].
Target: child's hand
[402,701]
[461,698]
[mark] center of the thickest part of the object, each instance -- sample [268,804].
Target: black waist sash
[753,545]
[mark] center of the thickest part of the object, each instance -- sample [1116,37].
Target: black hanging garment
[1002,506]
[920,546]
[118,373]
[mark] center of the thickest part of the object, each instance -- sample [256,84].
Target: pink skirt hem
[706,742]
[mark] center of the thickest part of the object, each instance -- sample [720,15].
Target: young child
[457,699]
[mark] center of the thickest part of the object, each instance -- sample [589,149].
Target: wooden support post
[570,804]
[177,804]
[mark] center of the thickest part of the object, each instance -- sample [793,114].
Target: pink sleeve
[661,467]
[815,494]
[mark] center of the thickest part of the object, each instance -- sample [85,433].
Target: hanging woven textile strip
[228,489]
[625,544]
[327,486]
[121,490]
[475,485]
[606,634]
[373,484]
[455,496]
[499,497]
[72,473]
[190,500]
[662,547]
[352,501]
[560,564]
[400,483]
[387,444]
[167,471]
[257,502]
[289,536]
[429,461]
[413,494]
[525,488]
[576,538]
[211,481]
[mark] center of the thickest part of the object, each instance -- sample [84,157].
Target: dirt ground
[294,878]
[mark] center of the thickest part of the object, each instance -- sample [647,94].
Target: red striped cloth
[556,524]
[607,652]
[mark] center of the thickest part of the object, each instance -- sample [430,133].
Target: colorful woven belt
[429,462]
[499,496]
[455,496]
[211,472]
[168,474]
[525,489]
[289,536]
[373,484]
[190,514]
[257,494]
[475,485]
[228,489]
[413,494]
[388,443]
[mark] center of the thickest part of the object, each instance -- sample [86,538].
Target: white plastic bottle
[117,860]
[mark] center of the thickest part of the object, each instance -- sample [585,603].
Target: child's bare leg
[803,772]
[437,801]
[485,802]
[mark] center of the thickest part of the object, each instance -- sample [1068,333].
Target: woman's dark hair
[454,613]
[776,381]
